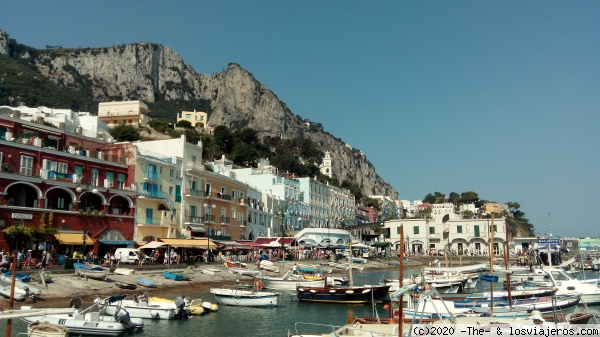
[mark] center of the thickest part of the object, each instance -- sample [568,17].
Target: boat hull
[145,283]
[144,311]
[280,284]
[81,326]
[245,298]
[173,276]
[91,271]
[354,295]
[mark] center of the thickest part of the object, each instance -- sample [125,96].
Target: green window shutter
[397,230]
[495,228]
[121,177]
[458,229]
[416,230]
[476,230]
[110,177]
[431,230]
[78,170]
[177,193]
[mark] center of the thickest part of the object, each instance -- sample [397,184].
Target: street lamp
[208,218]
[85,211]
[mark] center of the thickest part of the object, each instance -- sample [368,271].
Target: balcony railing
[194,219]
[193,193]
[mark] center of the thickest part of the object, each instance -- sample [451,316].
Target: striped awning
[73,239]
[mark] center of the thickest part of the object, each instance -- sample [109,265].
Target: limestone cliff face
[144,70]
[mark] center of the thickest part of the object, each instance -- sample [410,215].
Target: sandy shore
[64,287]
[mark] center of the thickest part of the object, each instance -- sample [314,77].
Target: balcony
[193,193]
[194,168]
[194,219]
[150,175]
[149,221]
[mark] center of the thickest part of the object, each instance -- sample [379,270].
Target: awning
[73,239]
[190,243]
[152,245]
[381,244]
[196,228]
[117,242]
[233,244]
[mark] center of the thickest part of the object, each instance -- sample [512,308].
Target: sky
[497,97]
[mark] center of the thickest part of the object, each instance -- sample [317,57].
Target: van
[128,255]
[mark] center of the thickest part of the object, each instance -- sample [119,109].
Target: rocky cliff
[145,70]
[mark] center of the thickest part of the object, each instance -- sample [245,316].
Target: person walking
[19,260]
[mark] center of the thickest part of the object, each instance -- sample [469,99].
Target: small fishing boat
[351,295]
[5,291]
[37,277]
[21,287]
[125,285]
[19,276]
[124,271]
[42,329]
[91,271]
[234,264]
[288,282]
[268,266]
[145,283]
[196,307]
[245,298]
[174,276]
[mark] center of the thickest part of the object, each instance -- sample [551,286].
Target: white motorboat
[246,298]
[244,271]
[268,266]
[145,307]
[211,271]
[564,282]
[91,270]
[87,322]
[289,281]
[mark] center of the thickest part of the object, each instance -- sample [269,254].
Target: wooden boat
[19,276]
[125,285]
[145,283]
[351,295]
[245,298]
[234,264]
[174,276]
[37,277]
[91,271]
[288,282]
[41,329]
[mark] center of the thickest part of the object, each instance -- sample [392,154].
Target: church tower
[326,168]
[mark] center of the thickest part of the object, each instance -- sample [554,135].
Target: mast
[400,280]
[491,252]
[350,265]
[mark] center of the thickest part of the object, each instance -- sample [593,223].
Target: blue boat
[91,270]
[20,276]
[146,283]
[174,276]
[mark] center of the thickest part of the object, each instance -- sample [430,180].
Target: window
[476,227]
[193,211]
[63,167]
[223,215]
[171,173]
[188,116]
[95,174]
[170,190]
[233,213]
[397,230]
[194,159]
[416,230]
[495,228]
[241,194]
[459,229]
[49,165]
[26,165]
[60,203]
[121,181]
[431,230]
[233,194]
[109,179]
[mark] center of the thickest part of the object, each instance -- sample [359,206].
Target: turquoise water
[272,322]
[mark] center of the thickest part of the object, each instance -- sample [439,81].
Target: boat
[196,307]
[289,281]
[88,322]
[91,271]
[144,306]
[5,291]
[125,285]
[535,303]
[145,283]
[245,298]
[234,264]
[268,266]
[41,277]
[210,271]
[244,271]
[26,289]
[174,276]
[208,307]
[124,271]
[19,276]
[42,329]
[564,282]
[352,295]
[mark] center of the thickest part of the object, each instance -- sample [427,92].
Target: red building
[55,187]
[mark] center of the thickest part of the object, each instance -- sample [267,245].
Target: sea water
[270,322]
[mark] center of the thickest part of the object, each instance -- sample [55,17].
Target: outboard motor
[75,303]
[122,316]
[182,309]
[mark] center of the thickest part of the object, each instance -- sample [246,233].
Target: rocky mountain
[145,71]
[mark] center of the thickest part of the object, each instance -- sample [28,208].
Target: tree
[439,198]
[454,198]
[125,133]
[223,138]
[184,124]
[429,198]
[468,197]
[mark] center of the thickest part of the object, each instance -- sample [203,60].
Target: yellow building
[198,119]
[124,113]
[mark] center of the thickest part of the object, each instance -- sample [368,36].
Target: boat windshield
[560,276]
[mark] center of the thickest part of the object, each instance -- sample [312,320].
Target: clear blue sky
[497,97]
